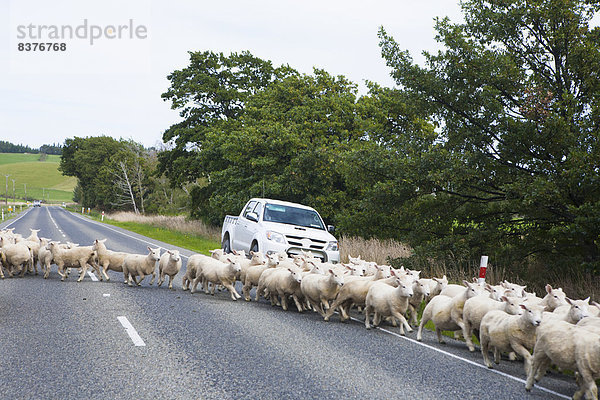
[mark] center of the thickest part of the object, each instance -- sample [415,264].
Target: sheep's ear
[149,248]
[252,253]
[289,269]
[569,300]
[229,259]
[331,271]
[347,266]
[170,252]
[466,283]
[504,298]
[548,289]
[587,300]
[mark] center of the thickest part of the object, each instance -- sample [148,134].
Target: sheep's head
[154,253]
[473,289]
[296,275]
[496,292]
[272,260]
[533,314]
[174,255]
[579,308]
[257,257]
[512,305]
[337,277]
[405,286]
[421,286]
[234,264]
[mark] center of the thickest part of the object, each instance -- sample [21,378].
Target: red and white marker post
[102,219]
[482,269]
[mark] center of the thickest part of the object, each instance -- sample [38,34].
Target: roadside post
[482,269]
[82,210]
[3,214]
[102,219]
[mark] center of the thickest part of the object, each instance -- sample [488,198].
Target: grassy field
[41,179]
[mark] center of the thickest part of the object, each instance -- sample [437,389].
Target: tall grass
[380,251]
[176,223]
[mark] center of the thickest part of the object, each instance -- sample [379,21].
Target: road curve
[72,340]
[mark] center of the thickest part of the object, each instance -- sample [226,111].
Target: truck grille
[305,242]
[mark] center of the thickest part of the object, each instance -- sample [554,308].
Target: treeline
[119,175]
[7,147]
[492,147]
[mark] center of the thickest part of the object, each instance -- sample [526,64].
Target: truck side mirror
[331,229]
[252,216]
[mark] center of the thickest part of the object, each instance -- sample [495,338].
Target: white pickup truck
[271,226]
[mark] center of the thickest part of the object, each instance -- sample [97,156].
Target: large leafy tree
[515,95]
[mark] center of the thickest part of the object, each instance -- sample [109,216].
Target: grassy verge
[194,242]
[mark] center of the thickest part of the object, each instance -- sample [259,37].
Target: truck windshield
[292,216]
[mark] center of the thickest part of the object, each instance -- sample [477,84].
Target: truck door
[246,227]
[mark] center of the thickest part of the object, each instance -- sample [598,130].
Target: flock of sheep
[553,330]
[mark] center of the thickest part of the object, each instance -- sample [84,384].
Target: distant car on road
[37,203]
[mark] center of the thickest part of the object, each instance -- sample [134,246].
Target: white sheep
[108,259]
[253,275]
[279,283]
[169,264]
[135,265]
[569,347]
[509,333]
[218,273]
[421,291]
[384,300]
[571,313]
[477,307]
[15,257]
[192,269]
[436,285]
[319,289]
[77,257]
[446,312]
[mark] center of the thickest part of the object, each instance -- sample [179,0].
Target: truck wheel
[226,245]
[254,247]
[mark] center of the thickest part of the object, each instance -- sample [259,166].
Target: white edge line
[114,230]
[464,359]
[135,338]
[12,222]
[92,276]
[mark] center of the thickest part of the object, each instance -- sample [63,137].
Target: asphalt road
[65,340]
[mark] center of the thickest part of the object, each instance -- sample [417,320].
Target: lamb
[436,285]
[253,275]
[571,313]
[45,257]
[192,270]
[477,307]
[135,265]
[77,257]
[447,312]
[14,257]
[554,298]
[510,333]
[218,273]
[281,282]
[388,301]
[354,292]
[256,258]
[421,290]
[568,347]
[108,259]
[319,289]
[169,264]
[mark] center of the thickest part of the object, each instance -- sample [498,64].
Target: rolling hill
[42,178]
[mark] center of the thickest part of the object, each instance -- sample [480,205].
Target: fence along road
[105,339]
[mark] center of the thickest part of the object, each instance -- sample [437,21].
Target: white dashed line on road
[106,295]
[135,338]
[92,276]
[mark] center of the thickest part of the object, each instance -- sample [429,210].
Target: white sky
[113,87]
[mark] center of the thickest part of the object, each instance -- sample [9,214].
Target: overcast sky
[113,86]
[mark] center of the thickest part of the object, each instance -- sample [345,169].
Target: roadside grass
[196,242]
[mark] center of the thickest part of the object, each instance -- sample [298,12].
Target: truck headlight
[276,237]
[332,246]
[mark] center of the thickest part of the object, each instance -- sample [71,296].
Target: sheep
[281,282]
[218,273]
[256,258]
[192,270]
[571,313]
[447,312]
[570,347]
[253,275]
[388,301]
[45,257]
[14,256]
[436,285]
[421,291]
[591,323]
[77,257]
[510,333]
[477,307]
[135,265]
[517,290]
[169,264]
[452,290]
[108,259]
[554,298]
[320,289]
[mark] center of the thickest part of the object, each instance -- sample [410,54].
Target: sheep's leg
[97,270]
[153,278]
[23,269]
[171,277]
[161,279]
[83,271]
[104,269]
[587,384]
[1,272]
[467,330]
[61,272]
[125,275]
[367,317]
[284,302]
[403,322]
[485,348]
[298,303]
[246,290]
[523,352]
[234,294]
[184,282]
[259,291]
[440,337]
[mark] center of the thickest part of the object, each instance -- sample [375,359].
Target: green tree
[515,95]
